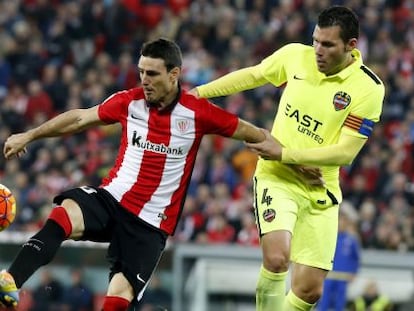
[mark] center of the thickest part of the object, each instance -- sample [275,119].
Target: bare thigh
[76,217]
[119,286]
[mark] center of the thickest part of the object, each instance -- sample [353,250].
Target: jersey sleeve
[216,120]
[273,67]
[114,108]
[364,114]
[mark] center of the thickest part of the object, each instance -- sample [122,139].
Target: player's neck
[169,100]
[347,62]
[350,60]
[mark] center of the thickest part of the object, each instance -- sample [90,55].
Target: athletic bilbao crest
[269,214]
[183,125]
[341,100]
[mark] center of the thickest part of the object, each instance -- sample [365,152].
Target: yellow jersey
[314,108]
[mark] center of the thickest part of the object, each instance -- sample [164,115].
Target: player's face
[332,53]
[159,85]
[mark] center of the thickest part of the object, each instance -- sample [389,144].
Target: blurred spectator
[244,161]
[5,75]
[399,185]
[48,294]
[192,221]
[371,299]
[219,230]
[248,234]
[221,172]
[10,115]
[39,103]
[125,73]
[57,45]
[55,87]
[78,296]
[367,223]
[168,26]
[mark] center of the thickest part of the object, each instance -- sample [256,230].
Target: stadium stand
[57,55]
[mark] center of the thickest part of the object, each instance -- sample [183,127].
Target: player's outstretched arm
[233,82]
[248,132]
[341,153]
[269,148]
[69,122]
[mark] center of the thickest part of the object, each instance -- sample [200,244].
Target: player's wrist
[31,135]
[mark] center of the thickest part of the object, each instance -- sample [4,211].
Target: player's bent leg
[42,247]
[9,294]
[271,285]
[306,287]
[119,294]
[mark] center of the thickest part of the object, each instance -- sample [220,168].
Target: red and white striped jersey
[157,151]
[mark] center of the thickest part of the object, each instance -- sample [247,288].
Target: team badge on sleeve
[269,215]
[341,100]
[361,125]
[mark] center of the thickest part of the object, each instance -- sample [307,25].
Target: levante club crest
[269,214]
[341,100]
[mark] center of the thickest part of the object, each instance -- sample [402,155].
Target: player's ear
[352,44]
[175,74]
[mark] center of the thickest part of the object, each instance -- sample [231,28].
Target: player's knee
[308,292]
[75,216]
[276,261]
[61,217]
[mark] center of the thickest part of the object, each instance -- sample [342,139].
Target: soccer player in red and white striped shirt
[140,201]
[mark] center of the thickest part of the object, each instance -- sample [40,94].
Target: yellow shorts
[311,217]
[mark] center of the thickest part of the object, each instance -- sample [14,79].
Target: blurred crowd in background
[57,55]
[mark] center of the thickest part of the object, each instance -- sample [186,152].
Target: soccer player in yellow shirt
[329,106]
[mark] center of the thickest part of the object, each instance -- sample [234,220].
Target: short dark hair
[343,17]
[165,49]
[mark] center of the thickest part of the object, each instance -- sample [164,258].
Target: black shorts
[135,247]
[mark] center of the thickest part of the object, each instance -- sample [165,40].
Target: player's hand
[15,145]
[269,149]
[312,175]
